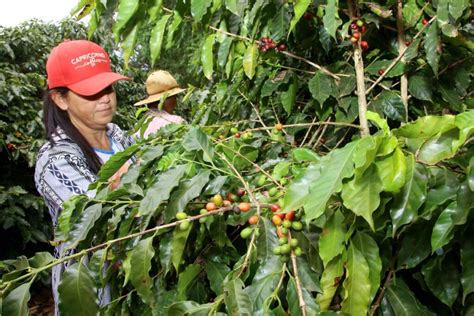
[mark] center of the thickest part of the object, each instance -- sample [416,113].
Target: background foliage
[374,154]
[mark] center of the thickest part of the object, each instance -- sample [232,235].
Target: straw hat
[158,84]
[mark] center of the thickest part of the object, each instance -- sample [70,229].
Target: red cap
[82,66]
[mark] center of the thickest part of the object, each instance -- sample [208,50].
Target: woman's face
[92,112]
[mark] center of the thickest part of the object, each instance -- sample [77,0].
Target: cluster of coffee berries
[266,43]
[284,222]
[358,28]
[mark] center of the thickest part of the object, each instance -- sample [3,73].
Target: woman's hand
[114,180]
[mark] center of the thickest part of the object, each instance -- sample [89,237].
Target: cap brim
[95,84]
[158,96]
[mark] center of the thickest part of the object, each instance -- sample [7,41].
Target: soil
[41,303]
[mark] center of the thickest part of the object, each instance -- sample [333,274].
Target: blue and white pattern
[61,172]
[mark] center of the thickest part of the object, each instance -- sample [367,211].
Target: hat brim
[156,97]
[95,84]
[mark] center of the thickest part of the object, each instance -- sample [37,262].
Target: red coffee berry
[364,45]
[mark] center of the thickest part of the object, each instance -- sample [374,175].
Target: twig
[307,133]
[454,64]
[256,111]
[253,163]
[327,72]
[360,79]
[318,141]
[401,47]
[298,283]
[400,55]
[382,292]
[83,252]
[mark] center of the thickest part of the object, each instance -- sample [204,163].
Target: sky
[18,11]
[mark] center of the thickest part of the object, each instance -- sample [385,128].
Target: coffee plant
[326,168]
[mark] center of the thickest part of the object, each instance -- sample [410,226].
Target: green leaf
[154,7]
[332,239]
[406,203]
[185,279]
[177,19]
[16,302]
[207,57]
[288,97]
[126,10]
[250,60]
[431,47]
[442,278]
[456,8]
[311,308]
[156,37]
[370,250]
[421,87]
[83,225]
[444,19]
[140,262]
[195,139]
[470,174]
[237,301]
[374,68]
[321,87]
[40,259]
[267,239]
[75,203]
[199,8]
[178,244]
[427,126]
[161,190]
[223,52]
[305,154]
[115,162]
[364,156]
[129,42]
[298,189]
[381,123]
[391,104]
[300,8]
[330,280]
[403,301]
[411,13]
[357,284]
[77,292]
[443,228]
[331,18]
[216,273]
[467,263]
[392,171]
[418,234]
[187,191]
[308,276]
[264,282]
[439,147]
[334,167]
[362,194]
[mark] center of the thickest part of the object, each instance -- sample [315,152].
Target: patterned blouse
[62,170]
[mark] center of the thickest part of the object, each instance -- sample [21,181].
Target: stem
[251,162]
[113,241]
[298,283]
[382,292]
[256,111]
[400,55]
[327,72]
[401,47]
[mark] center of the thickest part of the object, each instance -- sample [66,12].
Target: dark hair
[53,117]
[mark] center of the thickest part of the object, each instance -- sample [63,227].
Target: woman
[78,108]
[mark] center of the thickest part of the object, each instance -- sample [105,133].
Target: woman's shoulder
[58,150]
[119,135]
